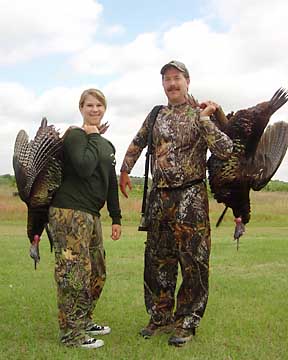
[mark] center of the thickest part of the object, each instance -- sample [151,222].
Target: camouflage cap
[176,64]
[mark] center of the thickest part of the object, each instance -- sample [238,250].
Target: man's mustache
[171,88]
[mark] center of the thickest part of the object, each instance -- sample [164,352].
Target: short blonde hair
[93,92]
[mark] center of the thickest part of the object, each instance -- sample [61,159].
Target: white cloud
[115,30]
[110,59]
[258,31]
[32,28]
[239,64]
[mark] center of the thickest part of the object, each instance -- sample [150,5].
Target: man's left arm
[132,154]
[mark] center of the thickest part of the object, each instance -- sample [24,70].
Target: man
[179,228]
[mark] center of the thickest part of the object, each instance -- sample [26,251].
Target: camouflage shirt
[180,142]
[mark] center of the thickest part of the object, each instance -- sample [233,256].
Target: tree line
[137,183]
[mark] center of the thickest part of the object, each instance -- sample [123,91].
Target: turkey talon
[34,250]
[239,230]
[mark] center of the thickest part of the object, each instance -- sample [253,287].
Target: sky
[50,51]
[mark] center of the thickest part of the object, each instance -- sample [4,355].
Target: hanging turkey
[38,172]
[38,169]
[255,158]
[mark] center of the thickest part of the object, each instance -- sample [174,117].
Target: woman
[74,218]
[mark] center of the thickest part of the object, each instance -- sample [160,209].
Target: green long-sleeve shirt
[89,175]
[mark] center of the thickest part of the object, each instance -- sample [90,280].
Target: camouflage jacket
[180,142]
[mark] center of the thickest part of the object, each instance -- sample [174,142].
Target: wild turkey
[38,173]
[255,159]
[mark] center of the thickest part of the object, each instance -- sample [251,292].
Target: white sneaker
[92,343]
[98,330]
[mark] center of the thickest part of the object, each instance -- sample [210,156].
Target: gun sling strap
[151,121]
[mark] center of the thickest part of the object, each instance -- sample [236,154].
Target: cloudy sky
[50,51]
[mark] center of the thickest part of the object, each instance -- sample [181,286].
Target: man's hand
[116,232]
[124,182]
[209,107]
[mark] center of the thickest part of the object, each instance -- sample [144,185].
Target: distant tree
[7,179]
[276,185]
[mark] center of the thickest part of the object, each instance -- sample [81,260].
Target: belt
[184,186]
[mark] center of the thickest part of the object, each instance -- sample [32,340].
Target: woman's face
[92,111]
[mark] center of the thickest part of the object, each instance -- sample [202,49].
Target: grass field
[246,316]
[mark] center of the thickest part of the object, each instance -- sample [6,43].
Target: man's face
[175,86]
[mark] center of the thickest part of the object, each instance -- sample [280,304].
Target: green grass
[246,316]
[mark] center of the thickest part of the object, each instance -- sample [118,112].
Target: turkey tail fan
[278,99]
[20,163]
[46,144]
[269,154]
[43,122]
[221,216]
[261,115]
[21,147]
[46,183]
[30,158]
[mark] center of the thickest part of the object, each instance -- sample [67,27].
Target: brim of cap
[165,67]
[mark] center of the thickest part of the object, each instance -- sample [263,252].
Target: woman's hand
[90,129]
[116,232]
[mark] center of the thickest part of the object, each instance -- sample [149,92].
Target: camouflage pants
[80,270]
[179,234]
